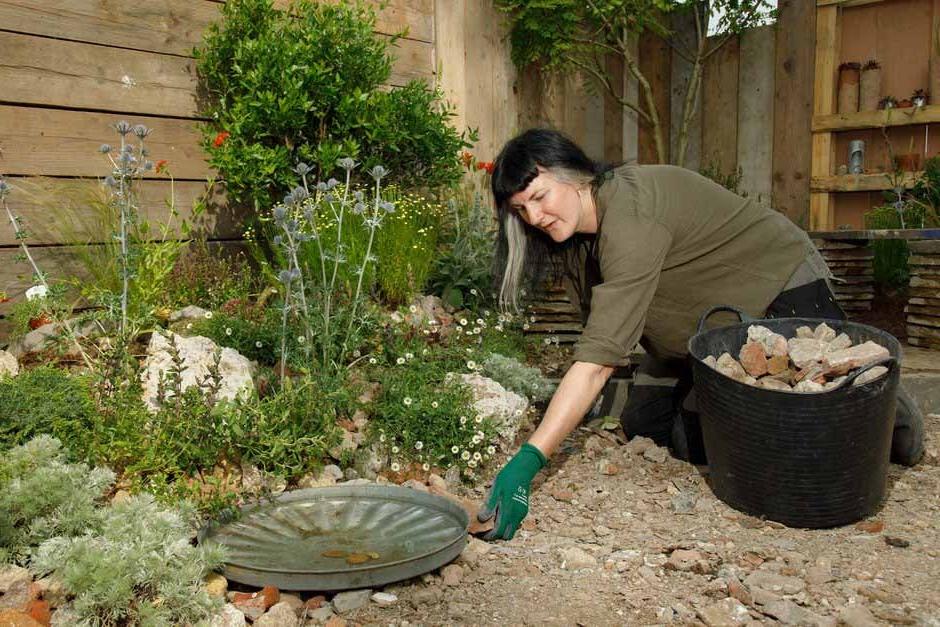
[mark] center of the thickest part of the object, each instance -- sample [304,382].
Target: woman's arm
[574,397]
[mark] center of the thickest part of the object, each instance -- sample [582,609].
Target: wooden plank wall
[71,68]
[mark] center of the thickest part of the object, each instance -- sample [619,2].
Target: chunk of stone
[198,357]
[725,613]
[495,403]
[9,366]
[805,333]
[730,367]
[192,312]
[711,362]
[773,582]
[778,364]
[215,585]
[384,599]
[280,615]
[789,613]
[824,333]
[753,359]
[15,587]
[346,602]
[857,616]
[452,575]
[774,384]
[773,343]
[806,352]
[841,342]
[856,356]
[870,375]
[575,558]
[808,386]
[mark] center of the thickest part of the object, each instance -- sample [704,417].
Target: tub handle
[743,317]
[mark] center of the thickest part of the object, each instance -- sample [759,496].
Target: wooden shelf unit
[860,182]
[826,122]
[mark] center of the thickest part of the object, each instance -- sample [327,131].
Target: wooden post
[822,216]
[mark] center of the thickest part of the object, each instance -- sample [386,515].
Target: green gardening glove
[509,497]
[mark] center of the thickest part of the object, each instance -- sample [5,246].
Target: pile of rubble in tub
[816,360]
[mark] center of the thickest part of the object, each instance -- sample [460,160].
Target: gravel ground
[626,535]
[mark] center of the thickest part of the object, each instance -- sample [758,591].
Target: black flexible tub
[805,460]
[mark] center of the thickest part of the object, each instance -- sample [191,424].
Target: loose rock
[575,558]
[384,599]
[280,615]
[725,613]
[230,616]
[9,366]
[346,602]
[452,574]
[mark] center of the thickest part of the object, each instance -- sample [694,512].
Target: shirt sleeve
[631,259]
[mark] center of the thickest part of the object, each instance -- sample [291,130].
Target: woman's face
[553,207]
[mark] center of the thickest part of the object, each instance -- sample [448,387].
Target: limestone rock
[346,602]
[806,352]
[730,367]
[384,599]
[841,342]
[230,616]
[856,356]
[753,359]
[9,367]
[575,558]
[216,585]
[494,402]
[725,613]
[198,355]
[280,615]
[192,312]
[15,587]
[773,343]
[824,333]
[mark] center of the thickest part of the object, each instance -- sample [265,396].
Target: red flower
[161,166]
[486,165]
[220,139]
[466,158]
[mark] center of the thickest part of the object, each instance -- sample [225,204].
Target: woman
[647,249]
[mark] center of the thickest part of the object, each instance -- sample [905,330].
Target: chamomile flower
[395,449]
[465,455]
[434,404]
[455,449]
[395,467]
[471,464]
[208,315]
[228,330]
[477,456]
[490,450]
[189,326]
[480,322]
[473,291]
[409,355]
[476,330]
[413,309]
[419,445]
[301,339]
[407,401]
[525,327]
[471,364]
[382,437]
[463,322]
[259,344]
[425,467]
[400,361]
[463,420]
[478,420]
[373,360]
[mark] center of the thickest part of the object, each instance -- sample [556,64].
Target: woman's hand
[508,499]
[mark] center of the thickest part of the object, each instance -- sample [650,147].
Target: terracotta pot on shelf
[849,75]
[869,91]
[909,162]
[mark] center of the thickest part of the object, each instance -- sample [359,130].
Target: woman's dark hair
[525,255]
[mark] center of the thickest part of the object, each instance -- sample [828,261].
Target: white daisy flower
[426,332]
[463,420]
[425,467]
[475,440]
[395,449]
[395,467]
[463,322]
[477,456]
[480,434]
[424,351]
[547,341]
[471,464]
[357,354]
[382,438]
[434,404]
[518,412]
[373,360]
[407,400]
[459,329]
[480,322]
[400,361]
[189,325]
[208,315]
[409,355]
[525,327]
[498,327]
[473,291]
[490,450]
[531,318]
[486,312]
[419,445]
[413,309]
[228,330]
[455,449]
[465,455]
[476,330]
[301,339]
[471,364]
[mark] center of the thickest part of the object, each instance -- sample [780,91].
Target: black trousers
[661,401]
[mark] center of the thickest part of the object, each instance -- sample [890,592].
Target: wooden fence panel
[655,64]
[793,108]
[56,211]
[720,108]
[755,112]
[56,142]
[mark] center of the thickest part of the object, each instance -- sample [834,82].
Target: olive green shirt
[670,244]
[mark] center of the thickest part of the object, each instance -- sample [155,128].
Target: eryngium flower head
[389,207]
[141,131]
[378,172]
[122,127]
[346,163]
[279,212]
[4,188]
[332,183]
[302,168]
[104,148]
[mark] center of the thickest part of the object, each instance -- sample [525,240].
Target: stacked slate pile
[852,266]
[923,306]
[816,360]
[553,316]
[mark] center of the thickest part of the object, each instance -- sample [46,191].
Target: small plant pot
[909,162]
[869,91]
[39,321]
[849,76]
[905,104]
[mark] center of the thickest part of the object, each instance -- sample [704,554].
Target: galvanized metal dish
[341,537]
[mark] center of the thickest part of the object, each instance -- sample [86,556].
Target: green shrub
[516,376]
[139,568]
[209,279]
[43,496]
[46,400]
[304,85]
[890,262]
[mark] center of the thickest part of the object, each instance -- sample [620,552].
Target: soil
[616,536]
